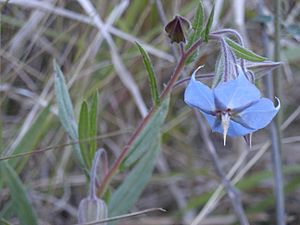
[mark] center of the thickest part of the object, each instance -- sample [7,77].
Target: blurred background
[33,33]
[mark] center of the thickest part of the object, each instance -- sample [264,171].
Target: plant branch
[144,122]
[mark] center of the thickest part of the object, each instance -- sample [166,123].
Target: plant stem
[275,131]
[164,94]
[274,127]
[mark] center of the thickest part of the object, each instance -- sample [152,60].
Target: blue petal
[258,115]
[235,129]
[199,95]
[236,94]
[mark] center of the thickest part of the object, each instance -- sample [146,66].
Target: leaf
[93,125]
[65,109]
[151,75]
[262,19]
[147,136]
[4,222]
[197,26]
[197,29]
[131,188]
[18,195]
[219,70]
[1,138]
[208,24]
[262,68]
[243,52]
[37,130]
[129,191]
[83,132]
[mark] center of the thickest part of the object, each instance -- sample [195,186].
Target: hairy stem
[164,94]
[239,38]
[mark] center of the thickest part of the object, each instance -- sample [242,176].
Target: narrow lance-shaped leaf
[219,70]
[243,52]
[148,135]
[151,75]
[31,139]
[20,201]
[4,222]
[262,68]
[129,191]
[208,24]
[131,188]
[83,132]
[65,109]
[197,26]
[93,125]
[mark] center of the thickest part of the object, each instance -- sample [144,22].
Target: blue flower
[233,108]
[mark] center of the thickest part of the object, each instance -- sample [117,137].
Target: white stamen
[225,123]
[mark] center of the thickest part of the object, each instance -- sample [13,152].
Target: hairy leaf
[18,194]
[93,125]
[146,148]
[208,24]
[243,52]
[197,26]
[151,75]
[83,131]
[65,109]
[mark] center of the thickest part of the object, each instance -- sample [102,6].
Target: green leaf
[145,148]
[208,25]
[261,69]
[83,132]
[1,138]
[93,125]
[243,52]
[18,195]
[38,128]
[65,109]
[148,135]
[197,26]
[262,19]
[129,191]
[151,75]
[4,221]
[219,70]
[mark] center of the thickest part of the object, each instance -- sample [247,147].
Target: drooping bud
[225,123]
[177,29]
[93,208]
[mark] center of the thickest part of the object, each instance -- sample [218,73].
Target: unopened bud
[177,28]
[92,209]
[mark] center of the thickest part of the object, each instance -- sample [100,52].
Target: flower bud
[177,28]
[92,209]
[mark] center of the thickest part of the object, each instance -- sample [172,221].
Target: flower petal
[234,130]
[199,96]
[258,115]
[236,94]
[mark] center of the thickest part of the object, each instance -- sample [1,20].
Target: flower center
[225,117]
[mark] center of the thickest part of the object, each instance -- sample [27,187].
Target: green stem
[275,131]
